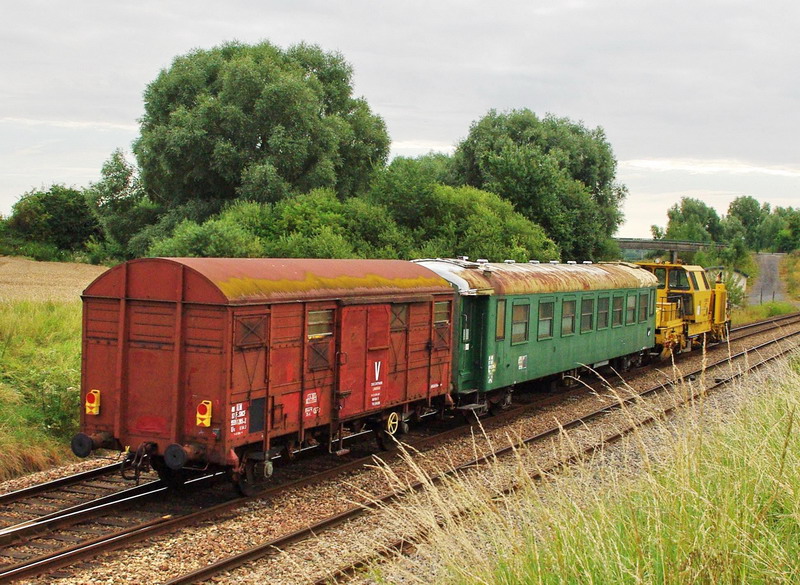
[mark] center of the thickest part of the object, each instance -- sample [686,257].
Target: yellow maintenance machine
[688,309]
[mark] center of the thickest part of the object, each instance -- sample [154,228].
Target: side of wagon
[191,362]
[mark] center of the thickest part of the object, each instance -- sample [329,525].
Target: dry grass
[27,280]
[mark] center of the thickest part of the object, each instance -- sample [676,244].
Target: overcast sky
[697,98]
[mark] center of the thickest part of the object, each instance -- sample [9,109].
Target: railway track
[278,546]
[162,522]
[64,495]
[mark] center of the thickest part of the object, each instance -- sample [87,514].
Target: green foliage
[751,215]
[751,313]
[258,123]
[555,172]
[215,238]
[121,207]
[58,216]
[694,221]
[40,359]
[445,221]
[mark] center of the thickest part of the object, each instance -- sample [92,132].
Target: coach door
[363,359]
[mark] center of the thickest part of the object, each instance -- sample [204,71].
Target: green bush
[58,216]
[215,238]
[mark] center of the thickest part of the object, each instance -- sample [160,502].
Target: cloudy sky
[698,98]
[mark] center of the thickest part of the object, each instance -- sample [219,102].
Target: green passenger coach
[516,322]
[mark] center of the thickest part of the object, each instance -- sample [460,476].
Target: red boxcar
[195,362]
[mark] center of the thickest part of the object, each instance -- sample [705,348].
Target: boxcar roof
[258,280]
[527,278]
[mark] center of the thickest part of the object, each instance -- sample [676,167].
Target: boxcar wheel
[174,478]
[255,477]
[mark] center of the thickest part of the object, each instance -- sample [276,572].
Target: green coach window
[644,299]
[587,315]
[616,317]
[568,318]
[546,320]
[602,312]
[519,323]
[631,310]
[500,327]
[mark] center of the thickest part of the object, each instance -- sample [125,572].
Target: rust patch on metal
[519,278]
[314,285]
[263,279]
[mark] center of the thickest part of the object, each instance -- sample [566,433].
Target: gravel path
[768,286]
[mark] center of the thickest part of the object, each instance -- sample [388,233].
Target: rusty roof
[257,280]
[486,278]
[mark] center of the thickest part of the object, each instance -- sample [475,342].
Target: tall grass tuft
[39,382]
[720,505]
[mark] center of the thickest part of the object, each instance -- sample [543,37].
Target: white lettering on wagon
[239,419]
[311,405]
[376,387]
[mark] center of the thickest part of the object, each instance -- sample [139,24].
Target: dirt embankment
[27,280]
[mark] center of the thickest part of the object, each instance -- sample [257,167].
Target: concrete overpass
[671,246]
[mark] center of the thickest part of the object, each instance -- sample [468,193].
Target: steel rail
[275,546]
[169,523]
[402,545]
[55,484]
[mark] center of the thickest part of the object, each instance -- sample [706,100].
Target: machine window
[602,312]
[616,318]
[705,280]
[519,323]
[500,326]
[643,305]
[587,315]
[631,313]
[546,320]
[661,275]
[678,280]
[693,278]
[568,318]
[320,324]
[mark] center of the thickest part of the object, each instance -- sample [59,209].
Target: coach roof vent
[587,262]
[510,261]
[571,262]
[553,261]
[533,262]
[482,261]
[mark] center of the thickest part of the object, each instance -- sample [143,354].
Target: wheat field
[27,280]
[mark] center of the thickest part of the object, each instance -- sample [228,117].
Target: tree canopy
[259,123]
[693,220]
[58,216]
[556,172]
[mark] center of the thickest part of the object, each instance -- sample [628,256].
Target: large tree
[256,122]
[556,172]
[751,214]
[58,216]
[693,220]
